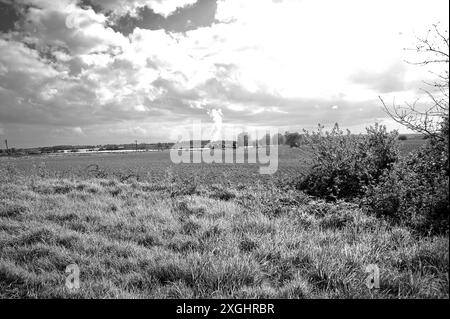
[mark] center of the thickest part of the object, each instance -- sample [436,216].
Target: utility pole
[7,149]
[136,145]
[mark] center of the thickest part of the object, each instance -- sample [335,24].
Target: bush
[402,137]
[344,164]
[416,191]
[293,139]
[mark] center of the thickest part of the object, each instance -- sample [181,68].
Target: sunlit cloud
[104,66]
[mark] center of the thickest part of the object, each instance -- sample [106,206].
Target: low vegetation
[409,190]
[344,164]
[149,230]
[176,238]
[415,192]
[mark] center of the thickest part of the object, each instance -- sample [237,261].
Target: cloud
[216,115]
[391,79]
[185,18]
[109,66]
[130,131]
[78,130]
[122,7]
[9,16]
[64,24]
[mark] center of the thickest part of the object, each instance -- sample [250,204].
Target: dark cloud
[10,15]
[88,4]
[200,14]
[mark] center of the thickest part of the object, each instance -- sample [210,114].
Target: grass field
[156,167]
[167,234]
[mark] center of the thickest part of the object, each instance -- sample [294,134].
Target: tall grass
[174,239]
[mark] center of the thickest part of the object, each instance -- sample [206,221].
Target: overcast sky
[112,71]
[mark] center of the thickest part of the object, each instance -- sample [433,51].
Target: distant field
[155,166]
[412,143]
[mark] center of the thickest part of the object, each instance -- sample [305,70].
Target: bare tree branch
[427,121]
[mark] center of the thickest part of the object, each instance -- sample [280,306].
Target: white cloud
[78,130]
[304,50]
[48,93]
[63,23]
[140,108]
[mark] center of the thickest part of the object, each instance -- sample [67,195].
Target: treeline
[135,146]
[43,150]
[77,148]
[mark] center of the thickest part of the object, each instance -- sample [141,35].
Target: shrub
[402,137]
[415,192]
[343,164]
[293,139]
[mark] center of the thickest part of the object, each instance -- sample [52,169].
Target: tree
[414,191]
[293,139]
[433,51]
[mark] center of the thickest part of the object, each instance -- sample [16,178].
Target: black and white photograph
[245,150]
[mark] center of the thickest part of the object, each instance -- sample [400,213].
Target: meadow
[139,226]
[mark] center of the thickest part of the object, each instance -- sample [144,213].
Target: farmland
[154,166]
[139,226]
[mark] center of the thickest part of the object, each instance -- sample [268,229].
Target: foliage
[415,192]
[344,164]
[293,139]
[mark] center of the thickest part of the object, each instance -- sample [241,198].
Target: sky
[115,71]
